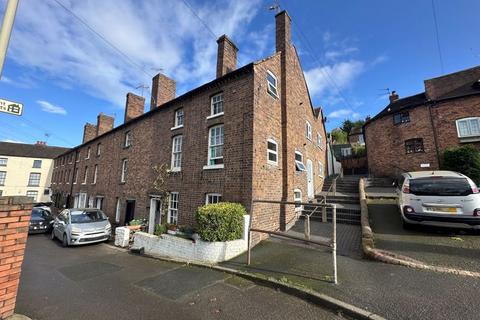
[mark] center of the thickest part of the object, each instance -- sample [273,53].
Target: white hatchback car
[438,198]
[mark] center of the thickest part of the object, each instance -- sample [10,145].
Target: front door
[82,203]
[310,184]
[154,217]
[129,211]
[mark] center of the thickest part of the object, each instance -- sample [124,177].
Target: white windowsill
[213,166]
[177,127]
[466,139]
[175,170]
[272,163]
[215,115]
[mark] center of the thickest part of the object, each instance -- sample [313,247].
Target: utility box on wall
[15,213]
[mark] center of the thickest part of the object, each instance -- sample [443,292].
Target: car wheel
[65,240]
[52,235]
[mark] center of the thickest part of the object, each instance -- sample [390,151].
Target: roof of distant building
[30,150]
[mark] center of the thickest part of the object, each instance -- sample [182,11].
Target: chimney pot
[163,90]
[134,106]
[104,123]
[393,96]
[226,56]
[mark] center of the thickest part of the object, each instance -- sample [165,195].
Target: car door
[60,224]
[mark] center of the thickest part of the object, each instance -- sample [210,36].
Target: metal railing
[330,243]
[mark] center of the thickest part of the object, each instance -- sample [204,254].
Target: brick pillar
[89,132]
[163,90]
[134,106]
[104,123]
[14,219]
[226,56]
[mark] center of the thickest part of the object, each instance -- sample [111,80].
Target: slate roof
[402,104]
[465,90]
[30,150]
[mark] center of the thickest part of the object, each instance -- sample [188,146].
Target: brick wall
[134,106]
[14,219]
[163,90]
[104,123]
[89,132]
[436,87]
[226,56]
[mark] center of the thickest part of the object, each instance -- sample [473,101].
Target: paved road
[438,246]
[101,282]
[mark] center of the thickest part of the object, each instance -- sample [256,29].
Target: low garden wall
[175,247]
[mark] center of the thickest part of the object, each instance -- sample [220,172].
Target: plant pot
[172,232]
[134,228]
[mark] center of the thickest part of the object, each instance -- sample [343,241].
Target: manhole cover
[176,283]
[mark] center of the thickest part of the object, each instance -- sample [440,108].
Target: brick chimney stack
[283,31]
[134,106]
[41,143]
[163,90]
[393,96]
[104,123]
[226,56]
[89,132]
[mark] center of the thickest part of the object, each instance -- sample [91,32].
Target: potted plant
[135,225]
[172,229]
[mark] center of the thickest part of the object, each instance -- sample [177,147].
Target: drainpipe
[435,138]
[73,177]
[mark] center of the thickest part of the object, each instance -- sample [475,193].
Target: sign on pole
[11,107]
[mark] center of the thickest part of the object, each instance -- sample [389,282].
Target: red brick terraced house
[411,133]
[252,133]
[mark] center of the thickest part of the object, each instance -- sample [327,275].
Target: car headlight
[75,230]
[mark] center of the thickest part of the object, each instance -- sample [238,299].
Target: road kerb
[309,295]
[368,246]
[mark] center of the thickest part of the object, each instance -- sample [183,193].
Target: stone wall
[14,219]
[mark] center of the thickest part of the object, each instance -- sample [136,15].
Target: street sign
[11,107]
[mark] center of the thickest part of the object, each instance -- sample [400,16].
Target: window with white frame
[34,179]
[297,197]
[117,211]
[3,162]
[99,202]
[173,208]
[178,118]
[3,175]
[177,153]
[217,104]
[308,130]
[320,169]
[75,175]
[299,161]
[32,194]
[213,198]
[95,171]
[88,153]
[124,170]
[85,175]
[272,84]
[272,151]
[37,164]
[319,140]
[468,127]
[215,146]
[128,139]
[99,149]
[346,152]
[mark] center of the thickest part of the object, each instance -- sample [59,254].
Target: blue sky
[65,75]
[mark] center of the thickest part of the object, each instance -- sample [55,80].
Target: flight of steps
[346,199]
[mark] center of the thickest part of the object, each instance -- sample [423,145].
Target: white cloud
[344,114]
[51,108]
[13,141]
[336,54]
[6,80]
[154,34]
[331,78]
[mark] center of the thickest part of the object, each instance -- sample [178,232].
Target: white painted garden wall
[171,246]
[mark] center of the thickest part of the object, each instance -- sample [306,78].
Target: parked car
[44,206]
[81,226]
[438,198]
[41,221]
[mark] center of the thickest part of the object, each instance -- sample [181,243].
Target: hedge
[464,159]
[220,221]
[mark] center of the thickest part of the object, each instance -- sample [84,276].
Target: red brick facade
[14,220]
[251,116]
[446,100]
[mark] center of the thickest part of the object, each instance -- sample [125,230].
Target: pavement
[444,247]
[391,291]
[102,282]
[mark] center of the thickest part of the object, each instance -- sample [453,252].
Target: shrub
[135,222]
[220,221]
[464,159]
[160,229]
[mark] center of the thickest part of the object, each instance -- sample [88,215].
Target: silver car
[438,198]
[81,226]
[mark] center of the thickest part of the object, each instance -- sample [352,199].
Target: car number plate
[443,209]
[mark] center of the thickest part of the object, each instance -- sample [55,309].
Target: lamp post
[6,31]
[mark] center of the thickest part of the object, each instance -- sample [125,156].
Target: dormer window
[272,85]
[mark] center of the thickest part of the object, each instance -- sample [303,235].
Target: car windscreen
[87,216]
[440,186]
[39,214]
